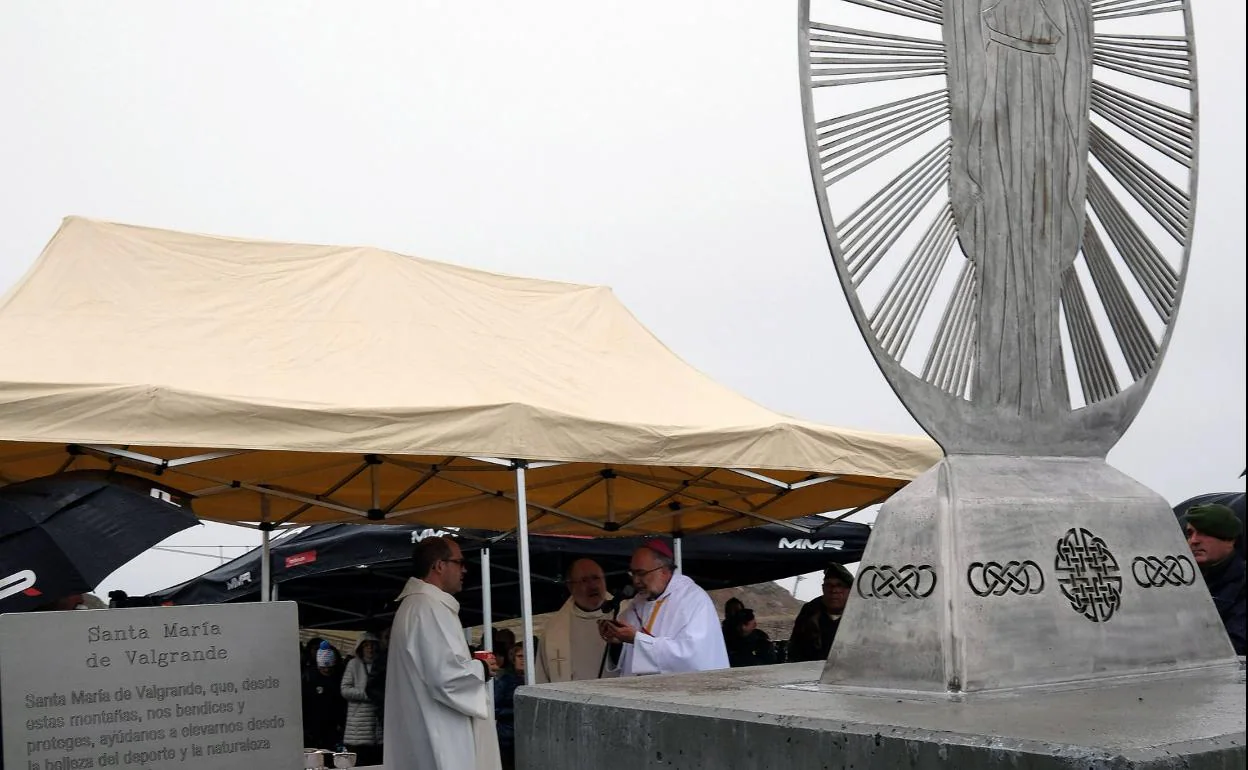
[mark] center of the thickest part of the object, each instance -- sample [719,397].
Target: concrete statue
[1022,558]
[1007,191]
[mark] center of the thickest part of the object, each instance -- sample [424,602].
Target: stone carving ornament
[1088,575]
[1053,144]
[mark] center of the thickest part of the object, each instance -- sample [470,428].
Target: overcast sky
[656,147]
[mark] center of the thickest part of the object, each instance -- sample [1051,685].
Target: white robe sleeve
[691,640]
[454,679]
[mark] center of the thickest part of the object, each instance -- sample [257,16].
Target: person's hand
[488,662]
[614,631]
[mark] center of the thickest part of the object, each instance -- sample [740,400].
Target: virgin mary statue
[1020,76]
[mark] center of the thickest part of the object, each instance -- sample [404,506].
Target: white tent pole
[526,594]
[679,552]
[266,569]
[487,608]
[266,565]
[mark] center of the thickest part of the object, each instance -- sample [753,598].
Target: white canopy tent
[284,384]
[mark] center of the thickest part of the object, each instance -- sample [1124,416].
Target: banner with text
[208,687]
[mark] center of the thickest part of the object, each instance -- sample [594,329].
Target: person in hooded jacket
[324,710]
[363,732]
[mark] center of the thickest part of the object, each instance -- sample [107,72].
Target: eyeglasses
[587,581]
[463,563]
[640,573]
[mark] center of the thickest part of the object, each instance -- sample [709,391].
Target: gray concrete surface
[781,717]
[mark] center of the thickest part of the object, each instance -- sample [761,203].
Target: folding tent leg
[679,553]
[526,594]
[487,609]
[266,563]
[266,567]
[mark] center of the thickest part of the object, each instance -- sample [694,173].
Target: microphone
[612,605]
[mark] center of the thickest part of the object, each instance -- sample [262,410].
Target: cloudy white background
[653,146]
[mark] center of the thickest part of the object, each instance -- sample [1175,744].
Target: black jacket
[324,709]
[813,632]
[1226,584]
[753,649]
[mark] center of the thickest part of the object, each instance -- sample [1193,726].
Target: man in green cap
[1211,533]
[817,621]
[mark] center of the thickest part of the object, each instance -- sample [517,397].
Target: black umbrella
[63,534]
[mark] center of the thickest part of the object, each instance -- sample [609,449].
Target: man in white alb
[437,715]
[671,626]
[571,647]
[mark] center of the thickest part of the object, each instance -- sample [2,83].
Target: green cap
[1214,520]
[839,572]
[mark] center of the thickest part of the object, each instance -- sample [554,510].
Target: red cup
[483,655]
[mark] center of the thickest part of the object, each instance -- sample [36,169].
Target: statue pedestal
[1039,613]
[779,717]
[990,573]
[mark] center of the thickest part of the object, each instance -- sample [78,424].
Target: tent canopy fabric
[347,576]
[280,382]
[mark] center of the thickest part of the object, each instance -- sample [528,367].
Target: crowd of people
[438,713]
[343,697]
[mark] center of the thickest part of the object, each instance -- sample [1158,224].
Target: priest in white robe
[571,648]
[671,626]
[437,715]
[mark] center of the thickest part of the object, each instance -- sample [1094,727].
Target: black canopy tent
[346,575]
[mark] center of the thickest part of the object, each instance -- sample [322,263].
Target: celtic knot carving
[905,582]
[992,578]
[1158,571]
[1088,575]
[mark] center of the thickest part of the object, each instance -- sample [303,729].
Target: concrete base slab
[781,717]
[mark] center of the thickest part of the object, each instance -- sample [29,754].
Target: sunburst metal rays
[1162,59]
[897,315]
[851,142]
[841,56]
[948,364]
[1156,277]
[868,233]
[1105,10]
[899,235]
[923,10]
[1096,374]
[1162,199]
[1138,345]
[1165,129]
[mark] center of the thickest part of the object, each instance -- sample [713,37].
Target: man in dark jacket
[1211,533]
[817,621]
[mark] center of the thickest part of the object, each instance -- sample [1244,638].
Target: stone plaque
[163,688]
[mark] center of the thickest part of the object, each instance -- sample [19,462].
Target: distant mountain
[774,607]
